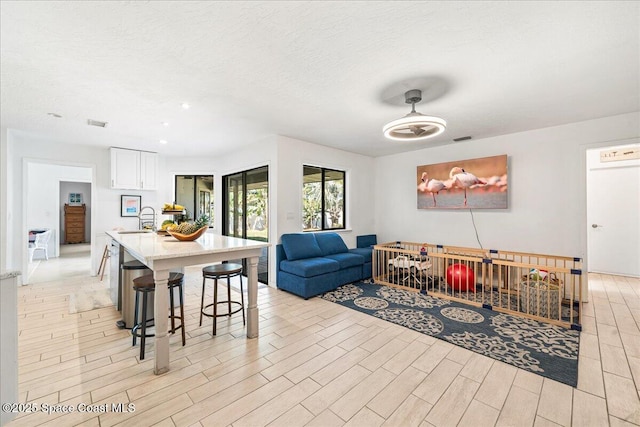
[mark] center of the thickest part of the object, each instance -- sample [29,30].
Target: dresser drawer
[70,210]
[74,237]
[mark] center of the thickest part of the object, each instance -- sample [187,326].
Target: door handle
[595,225]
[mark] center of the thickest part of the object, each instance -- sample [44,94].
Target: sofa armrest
[280,256]
[366,241]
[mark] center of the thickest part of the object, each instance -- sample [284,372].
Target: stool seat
[146,285]
[216,272]
[147,280]
[221,270]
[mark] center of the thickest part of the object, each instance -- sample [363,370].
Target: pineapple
[201,222]
[183,228]
[192,227]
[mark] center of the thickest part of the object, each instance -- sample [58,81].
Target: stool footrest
[238,310]
[136,328]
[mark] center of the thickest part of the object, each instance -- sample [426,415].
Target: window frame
[195,196]
[323,174]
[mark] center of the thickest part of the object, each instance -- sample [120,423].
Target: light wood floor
[317,364]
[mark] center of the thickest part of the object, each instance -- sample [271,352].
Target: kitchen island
[162,253]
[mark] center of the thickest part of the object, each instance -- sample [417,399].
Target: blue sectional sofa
[310,264]
[364,247]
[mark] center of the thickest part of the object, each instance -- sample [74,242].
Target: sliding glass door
[246,210]
[195,193]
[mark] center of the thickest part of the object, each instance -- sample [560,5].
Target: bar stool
[103,262]
[145,286]
[216,272]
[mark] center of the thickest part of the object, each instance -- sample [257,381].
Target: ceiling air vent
[97,123]
[462,138]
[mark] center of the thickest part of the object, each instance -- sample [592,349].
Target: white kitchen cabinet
[133,170]
[148,170]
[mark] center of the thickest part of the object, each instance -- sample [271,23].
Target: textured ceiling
[331,73]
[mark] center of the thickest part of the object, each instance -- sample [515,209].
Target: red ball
[461,278]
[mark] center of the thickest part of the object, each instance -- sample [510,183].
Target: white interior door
[613,215]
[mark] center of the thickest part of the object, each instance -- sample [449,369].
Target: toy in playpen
[461,278]
[540,294]
[416,266]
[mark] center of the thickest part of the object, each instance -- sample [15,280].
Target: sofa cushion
[364,252]
[310,267]
[300,246]
[347,260]
[331,243]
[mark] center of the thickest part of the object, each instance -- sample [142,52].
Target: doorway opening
[48,188]
[613,203]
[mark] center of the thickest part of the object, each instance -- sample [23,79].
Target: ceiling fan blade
[417,130]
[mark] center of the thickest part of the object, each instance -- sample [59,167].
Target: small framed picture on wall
[75,198]
[129,205]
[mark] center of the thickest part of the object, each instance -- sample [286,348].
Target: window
[322,199]
[195,193]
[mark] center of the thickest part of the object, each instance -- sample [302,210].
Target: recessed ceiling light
[163,141]
[165,124]
[185,106]
[57,116]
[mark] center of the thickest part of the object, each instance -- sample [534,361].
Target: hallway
[74,260]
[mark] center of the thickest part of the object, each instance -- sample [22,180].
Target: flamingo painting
[464,180]
[432,186]
[484,182]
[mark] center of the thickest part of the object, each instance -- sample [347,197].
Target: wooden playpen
[543,287]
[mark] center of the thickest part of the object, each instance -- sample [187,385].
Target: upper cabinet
[133,170]
[148,171]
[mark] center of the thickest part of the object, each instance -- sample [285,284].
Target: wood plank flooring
[315,364]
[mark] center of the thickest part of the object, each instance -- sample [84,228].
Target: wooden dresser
[74,223]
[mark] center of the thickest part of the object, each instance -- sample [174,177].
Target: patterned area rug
[538,347]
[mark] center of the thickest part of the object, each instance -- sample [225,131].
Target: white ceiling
[331,73]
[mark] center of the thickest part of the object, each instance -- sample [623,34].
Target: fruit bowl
[189,237]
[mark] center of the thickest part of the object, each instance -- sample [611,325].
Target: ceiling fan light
[400,129]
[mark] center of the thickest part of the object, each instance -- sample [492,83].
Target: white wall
[547,193]
[285,158]
[547,206]
[5,168]
[105,201]
[360,175]
[83,188]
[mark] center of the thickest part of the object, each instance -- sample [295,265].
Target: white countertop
[9,274]
[151,246]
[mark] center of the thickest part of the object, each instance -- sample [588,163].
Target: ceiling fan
[414,126]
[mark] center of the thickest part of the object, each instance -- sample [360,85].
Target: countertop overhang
[150,247]
[9,274]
